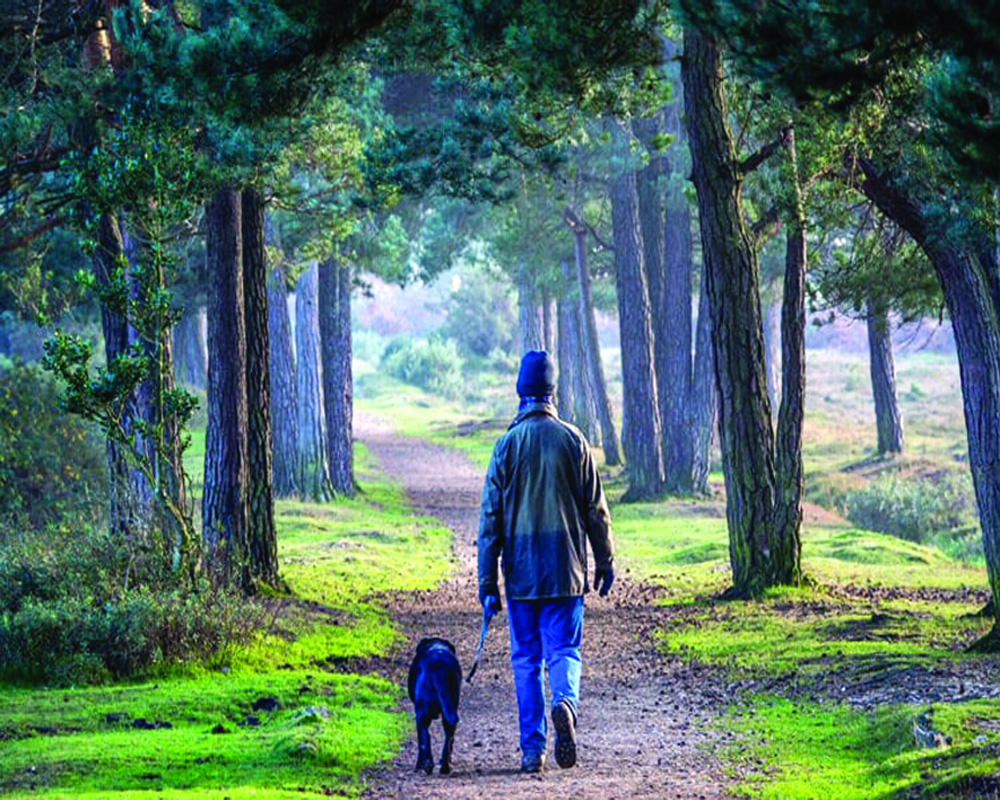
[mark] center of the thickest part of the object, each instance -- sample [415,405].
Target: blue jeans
[550,631]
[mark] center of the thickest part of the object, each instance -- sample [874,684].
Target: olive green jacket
[542,502]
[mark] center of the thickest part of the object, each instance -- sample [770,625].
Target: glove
[491,605]
[603,578]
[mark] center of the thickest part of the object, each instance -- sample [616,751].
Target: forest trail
[645,725]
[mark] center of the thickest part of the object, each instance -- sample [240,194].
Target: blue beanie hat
[537,376]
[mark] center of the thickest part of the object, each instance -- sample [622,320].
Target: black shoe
[532,762]
[564,721]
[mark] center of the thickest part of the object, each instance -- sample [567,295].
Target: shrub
[368,345]
[78,607]
[434,365]
[480,317]
[50,462]
[913,509]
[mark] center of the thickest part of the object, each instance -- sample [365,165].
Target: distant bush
[480,317]
[434,365]
[913,509]
[50,462]
[78,607]
[368,345]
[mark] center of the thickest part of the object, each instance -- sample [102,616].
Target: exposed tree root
[990,643]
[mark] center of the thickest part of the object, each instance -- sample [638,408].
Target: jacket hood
[534,407]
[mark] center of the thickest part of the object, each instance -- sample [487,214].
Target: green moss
[337,558]
[795,749]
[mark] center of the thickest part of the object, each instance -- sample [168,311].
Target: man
[542,503]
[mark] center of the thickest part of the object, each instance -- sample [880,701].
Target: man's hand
[491,605]
[603,578]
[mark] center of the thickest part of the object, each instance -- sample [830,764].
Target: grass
[329,727]
[792,750]
[874,601]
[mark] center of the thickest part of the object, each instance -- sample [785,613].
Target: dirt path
[643,729]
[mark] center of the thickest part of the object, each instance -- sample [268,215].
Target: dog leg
[449,742]
[425,758]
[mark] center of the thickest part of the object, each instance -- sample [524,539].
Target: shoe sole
[562,721]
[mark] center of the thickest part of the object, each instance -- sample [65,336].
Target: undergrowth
[191,730]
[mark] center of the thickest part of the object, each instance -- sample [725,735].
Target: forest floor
[647,721]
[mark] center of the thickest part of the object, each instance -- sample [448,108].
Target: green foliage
[50,462]
[434,365]
[914,509]
[73,640]
[80,607]
[479,316]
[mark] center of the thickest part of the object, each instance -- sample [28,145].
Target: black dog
[434,684]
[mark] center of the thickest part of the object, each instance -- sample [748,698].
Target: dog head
[431,642]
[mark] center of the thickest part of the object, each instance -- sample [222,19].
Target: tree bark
[704,402]
[224,500]
[737,334]
[123,510]
[528,324]
[674,364]
[772,342]
[262,539]
[314,473]
[584,412]
[335,349]
[641,435]
[284,396]
[548,324]
[967,272]
[591,346]
[888,420]
[789,481]
[565,353]
[190,364]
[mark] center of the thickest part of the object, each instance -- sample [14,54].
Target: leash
[479,649]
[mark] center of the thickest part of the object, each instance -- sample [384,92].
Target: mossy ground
[337,558]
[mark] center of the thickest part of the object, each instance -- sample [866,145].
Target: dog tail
[446,697]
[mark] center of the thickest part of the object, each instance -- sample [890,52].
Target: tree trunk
[591,346]
[772,341]
[641,436]
[968,275]
[284,397]
[335,349]
[190,364]
[224,500]
[123,511]
[565,353]
[528,324]
[584,413]
[314,474]
[704,402]
[548,325]
[674,364]
[262,539]
[737,333]
[788,441]
[888,420]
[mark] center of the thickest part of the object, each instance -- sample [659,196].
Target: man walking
[542,502]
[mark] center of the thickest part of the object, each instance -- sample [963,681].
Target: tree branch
[767,226]
[30,236]
[581,226]
[751,162]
